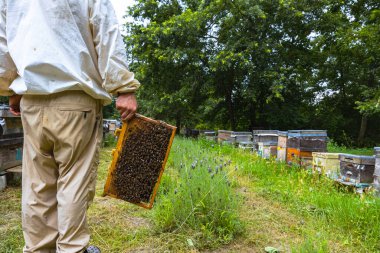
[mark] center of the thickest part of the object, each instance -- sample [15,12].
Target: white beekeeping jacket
[48,46]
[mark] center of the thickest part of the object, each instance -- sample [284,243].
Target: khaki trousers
[62,135]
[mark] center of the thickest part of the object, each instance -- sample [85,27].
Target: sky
[120,7]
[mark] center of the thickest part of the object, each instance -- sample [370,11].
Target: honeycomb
[139,160]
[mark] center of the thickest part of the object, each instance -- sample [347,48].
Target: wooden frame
[122,133]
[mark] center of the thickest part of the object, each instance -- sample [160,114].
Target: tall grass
[196,197]
[356,217]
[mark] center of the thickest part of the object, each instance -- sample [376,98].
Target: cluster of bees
[140,161]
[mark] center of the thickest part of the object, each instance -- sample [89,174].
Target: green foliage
[109,140]
[110,112]
[3,100]
[198,196]
[271,64]
[332,147]
[310,246]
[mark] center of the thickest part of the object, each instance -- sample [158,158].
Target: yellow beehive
[326,163]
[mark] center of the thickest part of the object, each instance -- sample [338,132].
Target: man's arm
[112,59]
[8,71]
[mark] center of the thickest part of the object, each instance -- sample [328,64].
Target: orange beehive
[299,157]
[139,160]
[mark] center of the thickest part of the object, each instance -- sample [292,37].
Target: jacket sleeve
[8,70]
[109,45]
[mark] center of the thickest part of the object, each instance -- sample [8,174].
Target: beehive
[224,136]
[357,169]
[265,136]
[11,139]
[308,140]
[301,144]
[10,153]
[377,169]
[327,164]
[267,149]
[246,145]
[139,160]
[377,162]
[240,137]
[295,156]
[268,136]
[210,135]
[282,146]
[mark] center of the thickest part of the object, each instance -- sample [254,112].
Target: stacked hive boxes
[356,170]
[308,149]
[243,140]
[11,139]
[267,149]
[302,143]
[210,135]
[327,164]
[265,142]
[224,136]
[231,137]
[282,146]
[240,137]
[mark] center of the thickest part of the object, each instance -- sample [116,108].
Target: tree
[245,64]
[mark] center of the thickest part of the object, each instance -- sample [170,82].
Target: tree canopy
[249,64]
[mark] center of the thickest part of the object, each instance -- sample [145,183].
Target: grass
[335,148]
[197,198]
[250,204]
[353,220]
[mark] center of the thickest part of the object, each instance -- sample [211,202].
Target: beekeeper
[66,59]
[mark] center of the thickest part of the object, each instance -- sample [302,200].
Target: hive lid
[357,159]
[242,136]
[326,155]
[307,133]
[139,160]
[256,132]
[274,135]
[377,152]
[241,133]
[225,131]
[269,143]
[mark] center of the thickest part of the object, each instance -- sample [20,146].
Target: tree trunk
[229,100]
[252,116]
[178,123]
[363,129]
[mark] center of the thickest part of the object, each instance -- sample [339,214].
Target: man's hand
[126,104]
[14,104]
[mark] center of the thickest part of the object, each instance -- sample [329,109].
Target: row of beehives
[308,149]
